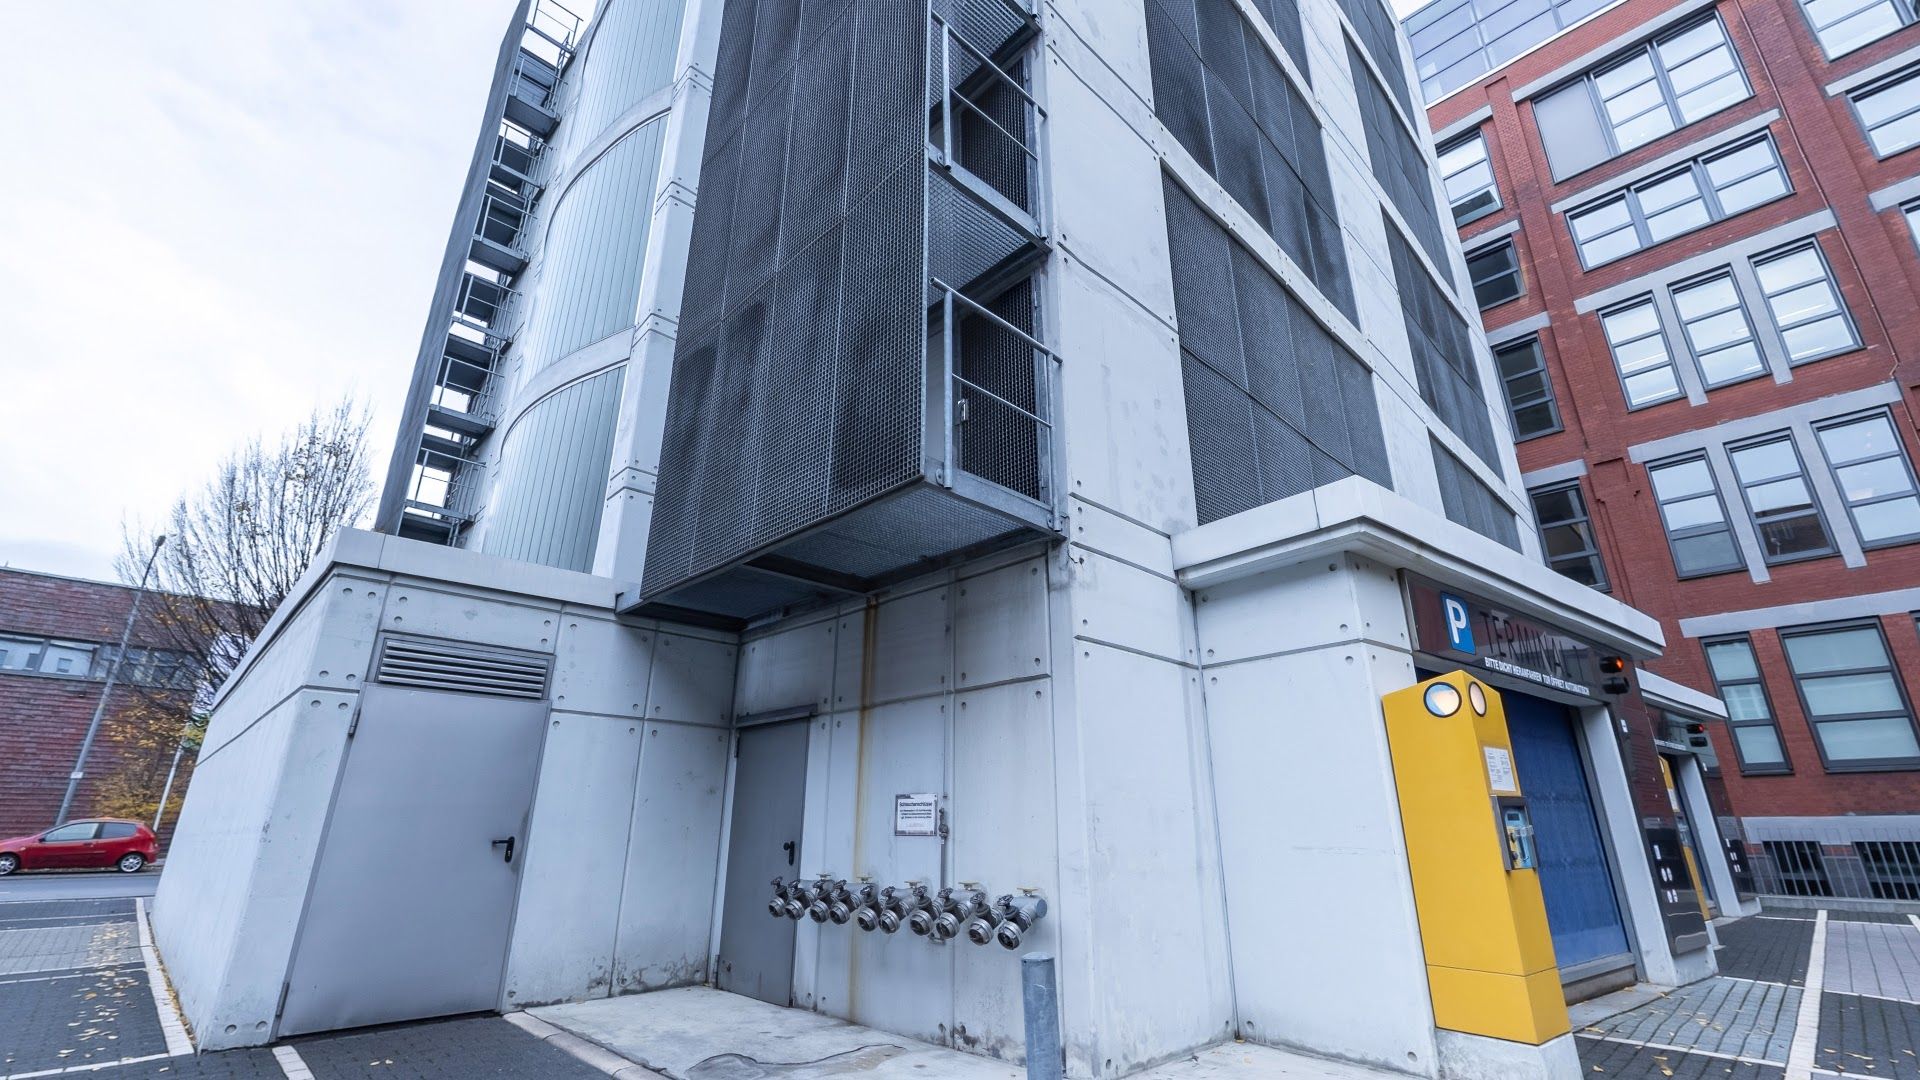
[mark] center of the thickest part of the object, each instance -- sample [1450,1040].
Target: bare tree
[236,548]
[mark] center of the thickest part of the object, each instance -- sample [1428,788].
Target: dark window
[1851,695]
[1710,188]
[1844,25]
[1874,477]
[1495,273]
[1530,404]
[1467,501]
[66,834]
[1566,535]
[1773,482]
[1453,44]
[1694,517]
[1736,674]
[117,830]
[1680,77]
[1467,174]
[1229,101]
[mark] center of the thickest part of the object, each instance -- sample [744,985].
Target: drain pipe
[1040,997]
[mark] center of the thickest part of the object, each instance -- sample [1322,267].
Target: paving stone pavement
[1879,960]
[1864,1036]
[1731,1017]
[477,1046]
[1619,1060]
[1766,949]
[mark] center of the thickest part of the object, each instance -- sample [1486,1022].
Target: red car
[128,845]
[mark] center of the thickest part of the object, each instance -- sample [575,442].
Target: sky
[214,216]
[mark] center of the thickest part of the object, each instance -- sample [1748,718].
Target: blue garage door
[1581,909]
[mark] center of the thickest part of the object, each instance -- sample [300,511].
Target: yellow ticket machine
[1470,846]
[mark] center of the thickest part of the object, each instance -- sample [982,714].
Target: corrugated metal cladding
[629,56]
[1399,163]
[1275,404]
[553,476]
[1442,351]
[797,377]
[1467,501]
[1230,103]
[596,242]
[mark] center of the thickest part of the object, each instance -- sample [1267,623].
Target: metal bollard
[1040,995]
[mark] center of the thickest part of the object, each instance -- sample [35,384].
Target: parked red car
[128,845]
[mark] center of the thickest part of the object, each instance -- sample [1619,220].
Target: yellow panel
[1483,926]
[1530,1009]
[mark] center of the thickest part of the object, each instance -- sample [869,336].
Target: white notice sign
[1500,770]
[916,815]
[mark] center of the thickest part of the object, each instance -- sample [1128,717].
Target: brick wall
[1877,266]
[43,718]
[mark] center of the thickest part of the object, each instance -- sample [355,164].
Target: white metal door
[413,894]
[769,800]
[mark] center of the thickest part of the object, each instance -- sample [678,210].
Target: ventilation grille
[439,665]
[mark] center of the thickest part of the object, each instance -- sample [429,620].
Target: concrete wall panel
[1122,605]
[1000,625]
[564,927]
[666,900]
[912,646]
[789,669]
[601,666]
[692,680]
[481,619]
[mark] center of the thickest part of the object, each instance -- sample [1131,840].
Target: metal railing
[518,150]
[482,301]
[555,23]
[502,220]
[534,79]
[1868,865]
[1021,433]
[1009,163]
[464,387]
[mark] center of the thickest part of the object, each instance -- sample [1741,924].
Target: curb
[583,1050]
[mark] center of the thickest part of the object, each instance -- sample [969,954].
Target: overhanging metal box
[860,389]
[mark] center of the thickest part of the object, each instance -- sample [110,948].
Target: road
[111,884]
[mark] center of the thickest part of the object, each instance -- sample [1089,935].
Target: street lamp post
[113,674]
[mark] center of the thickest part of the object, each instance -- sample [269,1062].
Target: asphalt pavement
[62,885]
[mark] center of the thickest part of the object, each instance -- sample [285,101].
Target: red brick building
[1692,230]
[57,635]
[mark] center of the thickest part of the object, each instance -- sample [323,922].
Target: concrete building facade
[1692,231]
[1032,442]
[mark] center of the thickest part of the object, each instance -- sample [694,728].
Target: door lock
[508,844]
[788,848]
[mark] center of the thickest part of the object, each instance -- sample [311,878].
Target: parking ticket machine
[1471,849]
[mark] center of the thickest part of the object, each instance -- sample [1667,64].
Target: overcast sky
[214,214]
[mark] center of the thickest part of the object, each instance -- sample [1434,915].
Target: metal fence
[1866,864]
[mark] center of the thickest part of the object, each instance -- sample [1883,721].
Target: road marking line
[96,1067]
[1806,1027]
[178,1044]
[1915,920]
[1676,1049]
[291,1063]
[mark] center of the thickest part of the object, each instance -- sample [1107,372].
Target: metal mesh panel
[816,185]
[1380,34]
[1398,162]
[1443,359]
[899,535]
[876,421]
[992,146]
[1466,501]
[1230,103]
[966,240]
[1283,17]
[1275,403]
[997,439]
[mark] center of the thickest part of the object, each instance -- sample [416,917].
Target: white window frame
[1477,137]
[1816,506]
[1647,301]
[1706,192]
[1909,78]
[1899,452]
[1903,12]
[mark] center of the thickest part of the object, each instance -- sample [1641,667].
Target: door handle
[508,844]
[788,848]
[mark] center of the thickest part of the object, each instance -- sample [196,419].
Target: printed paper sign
[1500,770]
[916,815]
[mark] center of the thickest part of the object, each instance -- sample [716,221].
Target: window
[1890,111]
[1844,25]
[1710,188]
[1675,80]
[1874,478]
[1640,353]
[1912,210]
[1805,304]
[1851,695]
[1716,328]
[1468,176]
[117,830]
[1694,517]
[1756,737]
[1495,272]
[1778,497]
[1530,401]
[1454,43]
[1566,535]
[20,654]
[66,834]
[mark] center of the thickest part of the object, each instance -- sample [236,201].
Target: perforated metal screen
[1398,161]
[1442,351]
[1275,404]
[1467,501]
[1228,100]
[797,422]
